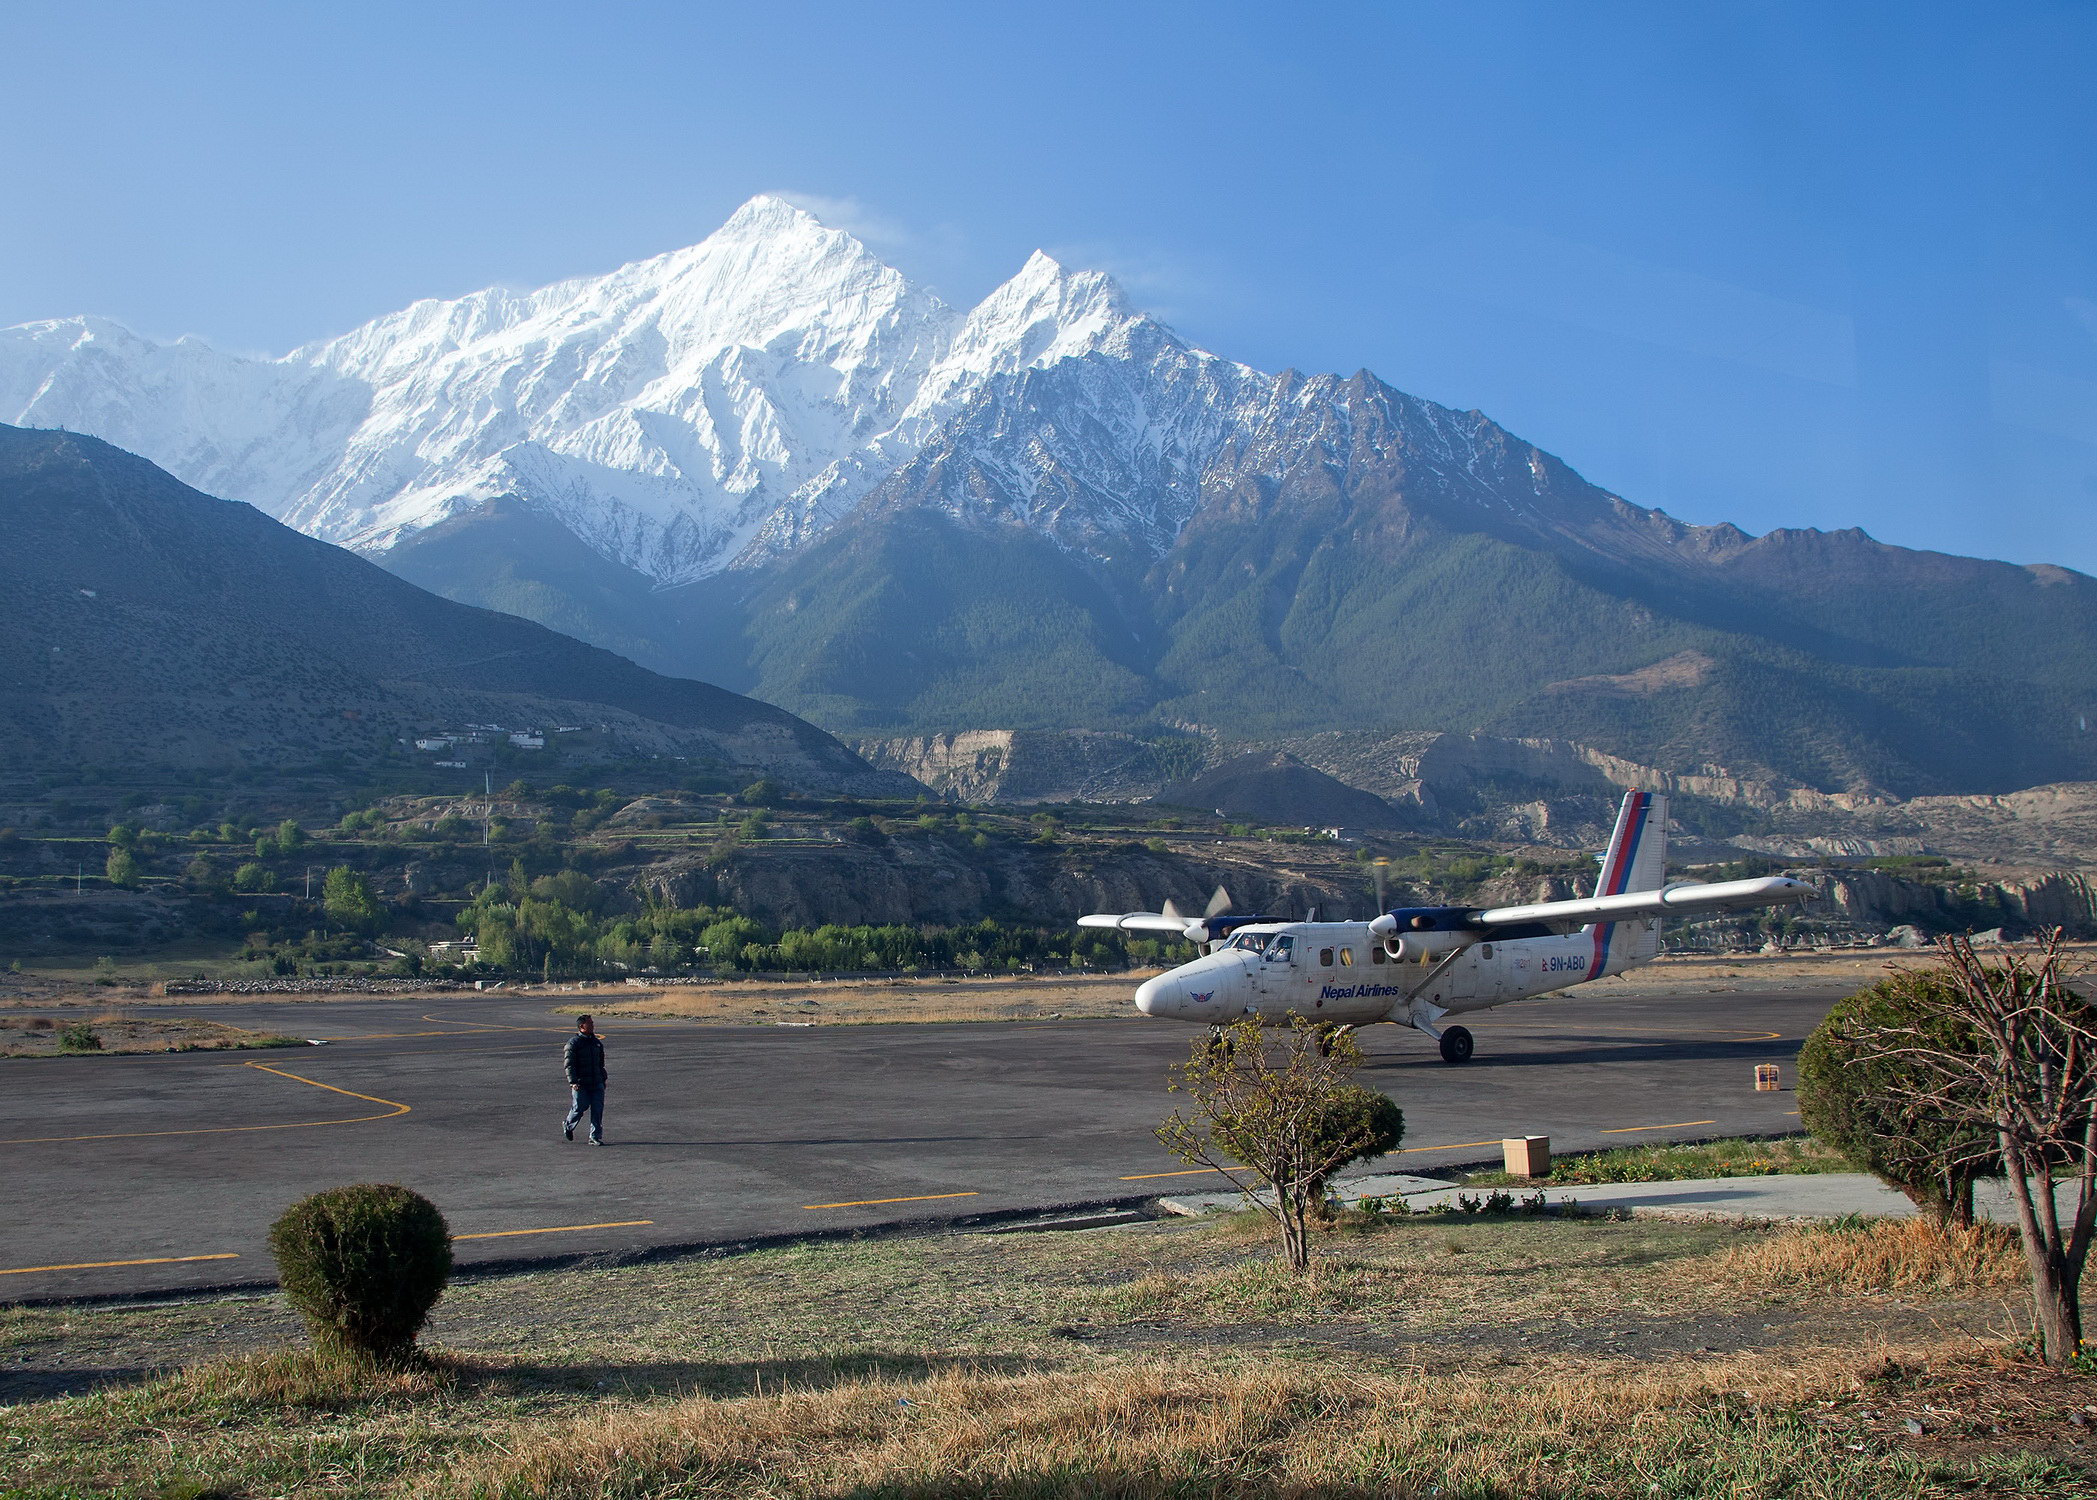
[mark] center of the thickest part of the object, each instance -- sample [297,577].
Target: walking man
[584,1057]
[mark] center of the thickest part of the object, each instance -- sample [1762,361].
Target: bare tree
[2021,1071]
[1282,1109]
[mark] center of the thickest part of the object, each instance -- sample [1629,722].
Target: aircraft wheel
[1456,1045]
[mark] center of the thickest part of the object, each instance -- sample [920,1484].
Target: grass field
[1521,1356]
[1681,1163]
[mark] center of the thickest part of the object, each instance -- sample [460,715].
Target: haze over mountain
[769,461]
[149,624]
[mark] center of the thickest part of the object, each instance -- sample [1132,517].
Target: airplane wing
[1681,899]
[1147,921]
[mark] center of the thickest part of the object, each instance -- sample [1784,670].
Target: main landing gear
[1456,1044]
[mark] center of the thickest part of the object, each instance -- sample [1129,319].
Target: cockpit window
[1280,948]
[1254,941]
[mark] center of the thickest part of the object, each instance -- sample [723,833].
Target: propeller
[1219,903]
[1172,910]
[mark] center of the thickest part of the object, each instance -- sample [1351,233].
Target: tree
[763,792]
[252,876]
[2022,1071]
[1848,1098]
[121,867]
[1281,1107]
[348,899]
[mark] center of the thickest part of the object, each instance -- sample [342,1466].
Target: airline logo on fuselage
[1359,992]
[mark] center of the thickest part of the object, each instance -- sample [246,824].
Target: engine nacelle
[1425,947]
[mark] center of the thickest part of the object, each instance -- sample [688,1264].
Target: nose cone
[1151,994]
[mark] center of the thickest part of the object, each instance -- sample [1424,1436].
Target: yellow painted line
[393,1107]
[1195,1172]
[1633,1129]
[1458,1146]
[503,1234]
[96,1265]
[869,1202]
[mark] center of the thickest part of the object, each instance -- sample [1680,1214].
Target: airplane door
[1274,980]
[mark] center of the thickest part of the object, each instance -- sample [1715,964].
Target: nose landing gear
[1456,1045]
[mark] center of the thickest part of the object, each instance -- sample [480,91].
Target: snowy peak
[691,411]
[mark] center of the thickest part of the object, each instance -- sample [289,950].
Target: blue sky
[1781,264]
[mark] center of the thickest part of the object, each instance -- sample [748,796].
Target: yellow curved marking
[1732,1032]
[393,1107]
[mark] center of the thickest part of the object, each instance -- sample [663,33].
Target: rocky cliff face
[1026,766]
[2019,904]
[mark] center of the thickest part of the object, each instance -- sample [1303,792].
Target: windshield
[1252,941]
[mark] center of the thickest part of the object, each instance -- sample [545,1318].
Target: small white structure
[434,744]
[527,739]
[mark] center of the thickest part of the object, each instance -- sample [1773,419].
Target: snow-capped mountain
[714,405]
[770,462]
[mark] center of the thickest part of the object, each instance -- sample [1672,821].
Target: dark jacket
[584,1058]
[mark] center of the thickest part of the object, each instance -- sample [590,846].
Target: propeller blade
[1172,909]
[1219,903]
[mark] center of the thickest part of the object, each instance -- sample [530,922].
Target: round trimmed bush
[1844,1097]
[363,1265]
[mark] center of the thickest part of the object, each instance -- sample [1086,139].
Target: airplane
[1417,965]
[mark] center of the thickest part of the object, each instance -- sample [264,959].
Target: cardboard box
[1527,1155]
[1769,1078]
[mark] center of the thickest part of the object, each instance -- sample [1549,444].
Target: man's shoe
[567,1132]
[597,1140]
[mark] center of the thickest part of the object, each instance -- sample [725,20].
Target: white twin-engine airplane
[1418,964]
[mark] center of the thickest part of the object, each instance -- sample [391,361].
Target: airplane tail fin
[1636,860]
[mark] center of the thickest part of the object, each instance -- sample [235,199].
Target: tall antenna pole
[487,817]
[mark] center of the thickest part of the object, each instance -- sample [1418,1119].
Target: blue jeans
[588,1097]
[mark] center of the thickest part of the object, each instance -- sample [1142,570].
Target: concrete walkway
[1825,1195]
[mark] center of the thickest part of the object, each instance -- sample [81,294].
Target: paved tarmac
[132,1175]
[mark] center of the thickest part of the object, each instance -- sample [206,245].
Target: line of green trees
[566,924]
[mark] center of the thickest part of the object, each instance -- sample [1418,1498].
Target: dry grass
[1250,1291]
[303,1377]
[38,1036]
[1180,1429]
[862,1002]
[1877,1255]
[1542,1357]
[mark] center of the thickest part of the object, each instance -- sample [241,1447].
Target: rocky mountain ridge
[147,624]
[1514,790]
[771,462]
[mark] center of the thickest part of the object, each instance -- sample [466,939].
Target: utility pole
[487,817]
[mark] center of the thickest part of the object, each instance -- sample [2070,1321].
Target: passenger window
[1485,950]
[1325,958]
[1346,958]
[1376,953]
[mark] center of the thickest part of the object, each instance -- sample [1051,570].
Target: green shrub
[79,1037]
[1844,1099]
[363,1265]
